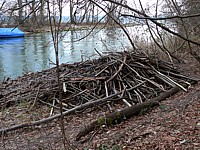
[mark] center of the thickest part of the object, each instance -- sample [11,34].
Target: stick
[120,68]
[106,88]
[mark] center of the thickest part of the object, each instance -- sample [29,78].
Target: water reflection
[9,41]
[35,52]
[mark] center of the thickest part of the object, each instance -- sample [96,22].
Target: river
[35,52]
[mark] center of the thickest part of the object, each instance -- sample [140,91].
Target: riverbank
[73,27]
[63,27]
[30,98]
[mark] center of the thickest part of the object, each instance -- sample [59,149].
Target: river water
[35,52]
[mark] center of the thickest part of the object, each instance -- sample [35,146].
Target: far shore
[71,27]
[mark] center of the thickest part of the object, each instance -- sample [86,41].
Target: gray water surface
[35,52]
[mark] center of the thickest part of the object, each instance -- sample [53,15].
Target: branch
[116,73]
[2,5]
[155,22]
[162,18]
[118,23]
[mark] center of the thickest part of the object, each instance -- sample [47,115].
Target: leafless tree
[187,26]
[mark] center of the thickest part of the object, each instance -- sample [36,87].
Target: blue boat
[11,33]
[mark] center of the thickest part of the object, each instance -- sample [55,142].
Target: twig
[35,99]
[120,68]
[51,112]
[106,88]
[98,52]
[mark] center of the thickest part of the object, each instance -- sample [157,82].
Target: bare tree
[72,21]
[20,12]
[187,26]
[42,12]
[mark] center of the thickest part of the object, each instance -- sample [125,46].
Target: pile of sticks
[128,78]
[131,77]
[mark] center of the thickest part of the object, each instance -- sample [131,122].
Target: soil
[174,124]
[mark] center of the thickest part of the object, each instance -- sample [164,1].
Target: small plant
[163,107]
[104,121]
[144,111]
[104,147]
[101,121]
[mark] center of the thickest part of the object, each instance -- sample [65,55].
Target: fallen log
[116,117]
[128,112]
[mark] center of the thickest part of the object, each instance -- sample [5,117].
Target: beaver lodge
[118,85]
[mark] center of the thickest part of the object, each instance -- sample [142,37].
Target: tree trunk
[72,21]
[42,12]
[20,12]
